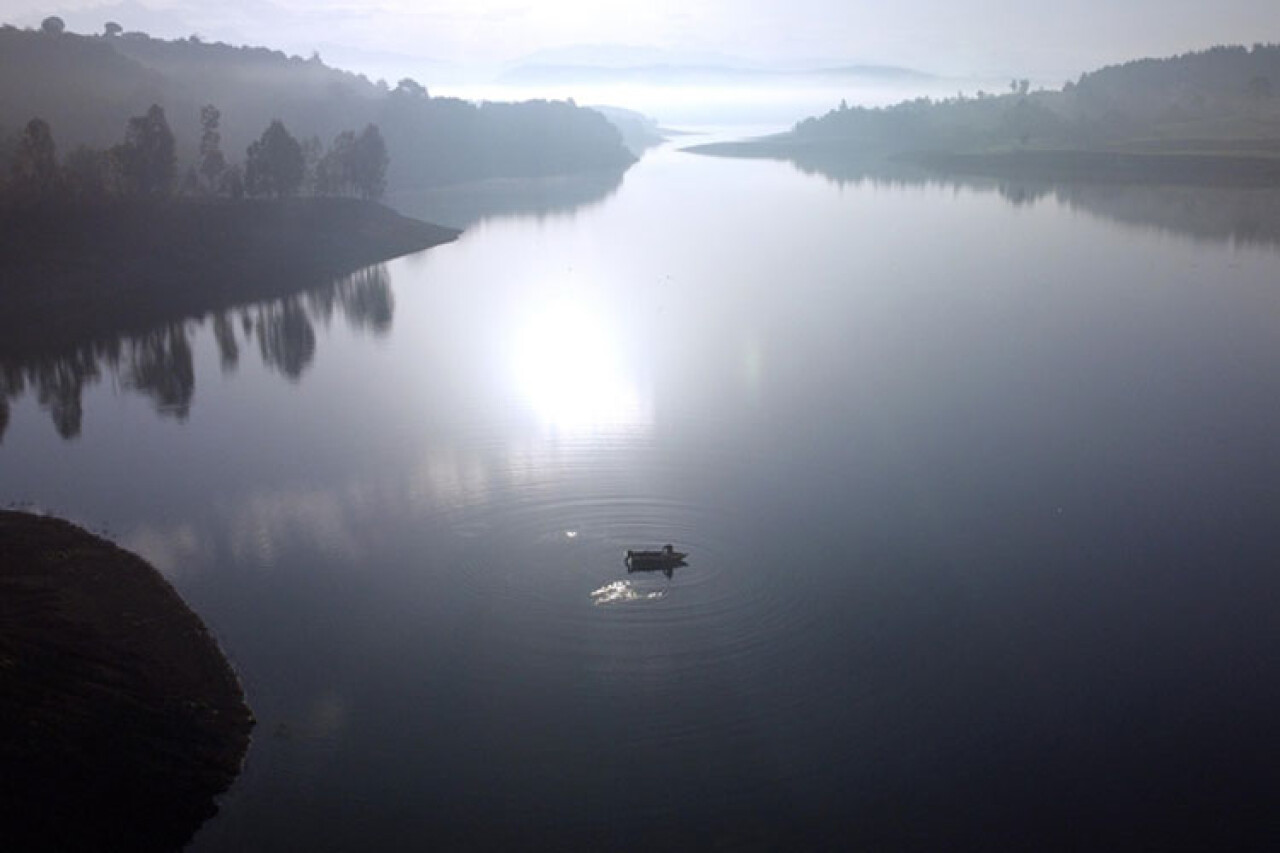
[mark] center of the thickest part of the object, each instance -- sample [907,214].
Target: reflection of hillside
[462,205]
[1205,213]
[1219,214]
[159,364]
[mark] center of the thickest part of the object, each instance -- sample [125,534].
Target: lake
[980,486]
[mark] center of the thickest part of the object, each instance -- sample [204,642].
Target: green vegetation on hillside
[1220,103]
[1214,100]
[119,237]
[87,87]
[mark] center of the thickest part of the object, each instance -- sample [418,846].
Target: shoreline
[74,273]
[120,719]
[1174,168]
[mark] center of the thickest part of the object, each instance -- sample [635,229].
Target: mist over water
[977,495]
[769,107]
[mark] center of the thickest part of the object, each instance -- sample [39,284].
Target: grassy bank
[70,273]
[120,719]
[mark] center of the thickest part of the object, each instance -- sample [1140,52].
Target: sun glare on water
[568,369]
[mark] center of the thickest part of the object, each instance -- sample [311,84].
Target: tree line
[88,86]
[1188,102]
[144,164]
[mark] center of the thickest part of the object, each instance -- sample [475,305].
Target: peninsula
[77,272]
[1205,118]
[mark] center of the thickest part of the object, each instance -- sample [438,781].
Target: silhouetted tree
[211,163]
[312,151]
[53,25]
[147,159]
[35,160]
[233,183]
[111,28]
[333,174]
[410,88]
[369,163]
[274,165]
[354,165]
[88,172]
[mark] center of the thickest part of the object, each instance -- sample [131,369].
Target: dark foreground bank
[120,719]
[70,273]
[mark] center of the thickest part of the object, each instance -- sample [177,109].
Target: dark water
[982,500]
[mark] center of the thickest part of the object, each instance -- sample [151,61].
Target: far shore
[76,272]
[120,718]
[1224,168]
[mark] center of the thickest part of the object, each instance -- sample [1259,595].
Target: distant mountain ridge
[673,74]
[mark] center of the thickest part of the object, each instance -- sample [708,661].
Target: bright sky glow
[952,37]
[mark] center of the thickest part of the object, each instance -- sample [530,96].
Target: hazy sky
[958,37]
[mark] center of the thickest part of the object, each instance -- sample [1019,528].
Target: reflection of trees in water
[12,384]
[367,300]
[364,297]
[225,336]
[1211,213]
[160,364]
[59,385]
[286,338]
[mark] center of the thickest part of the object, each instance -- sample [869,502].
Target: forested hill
[87,88]
[1223,100]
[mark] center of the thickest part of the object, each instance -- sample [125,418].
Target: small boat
[666,558]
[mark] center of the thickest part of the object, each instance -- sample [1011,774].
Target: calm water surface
[982,500]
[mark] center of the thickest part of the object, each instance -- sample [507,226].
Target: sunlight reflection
[620,592]
[568,369]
